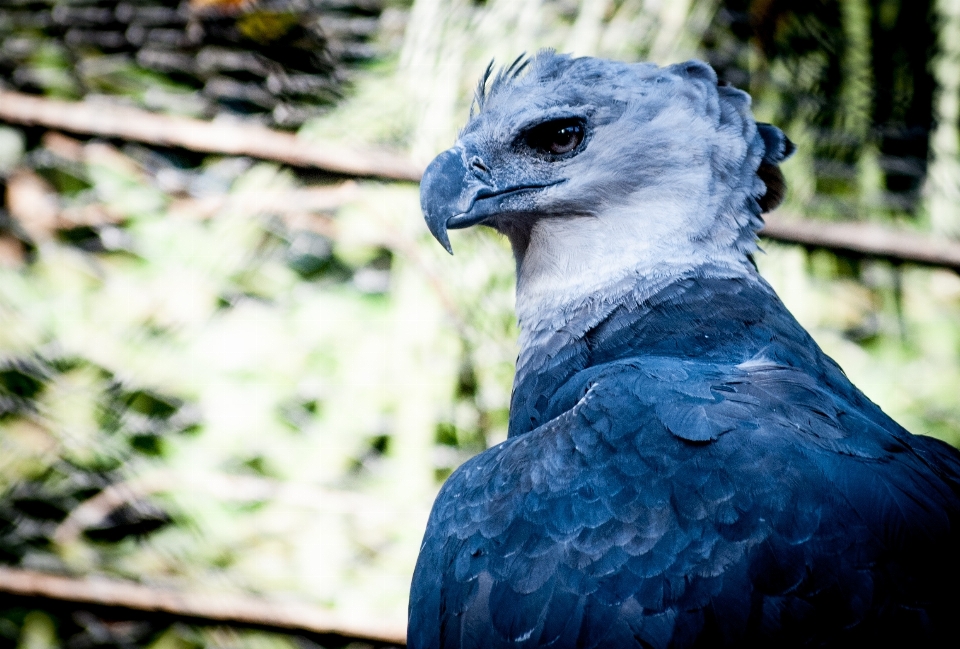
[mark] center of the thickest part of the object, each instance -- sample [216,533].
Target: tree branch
[114,596]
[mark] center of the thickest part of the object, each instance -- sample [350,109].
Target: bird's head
[598,170]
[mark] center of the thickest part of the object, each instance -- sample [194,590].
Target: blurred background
[241,375]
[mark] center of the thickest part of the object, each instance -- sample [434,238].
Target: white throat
[584,264]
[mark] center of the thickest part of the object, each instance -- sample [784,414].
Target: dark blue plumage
[685,467]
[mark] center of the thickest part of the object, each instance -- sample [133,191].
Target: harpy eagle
[685,467]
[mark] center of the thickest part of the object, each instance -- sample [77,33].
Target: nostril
[477,165]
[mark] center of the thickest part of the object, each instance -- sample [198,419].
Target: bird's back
[692,471]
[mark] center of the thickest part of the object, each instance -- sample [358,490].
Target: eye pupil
[556,137]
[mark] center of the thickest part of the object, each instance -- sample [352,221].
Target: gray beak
[441,188]
[456,194]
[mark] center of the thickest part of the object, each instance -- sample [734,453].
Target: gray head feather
[668,178]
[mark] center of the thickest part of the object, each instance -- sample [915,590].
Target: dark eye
[556,137]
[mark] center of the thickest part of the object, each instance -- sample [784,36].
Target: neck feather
[575,269]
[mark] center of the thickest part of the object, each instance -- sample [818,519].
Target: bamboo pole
[191,608]
[942,189]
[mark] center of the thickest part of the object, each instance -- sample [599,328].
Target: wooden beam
[107,120]
[203,609]
[101,119]
[866,240]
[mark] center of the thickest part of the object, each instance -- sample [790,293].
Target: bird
[684,466]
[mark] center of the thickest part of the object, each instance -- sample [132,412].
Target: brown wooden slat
[192,607]
[866,239]
[108,120]
[105,119]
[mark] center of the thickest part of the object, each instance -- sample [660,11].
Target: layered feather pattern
[728,488]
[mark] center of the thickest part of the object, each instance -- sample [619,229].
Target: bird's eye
[556,137]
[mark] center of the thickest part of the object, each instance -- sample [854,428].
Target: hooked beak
[441,193]
[454,195]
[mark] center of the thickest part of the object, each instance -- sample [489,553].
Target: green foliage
[215,401]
